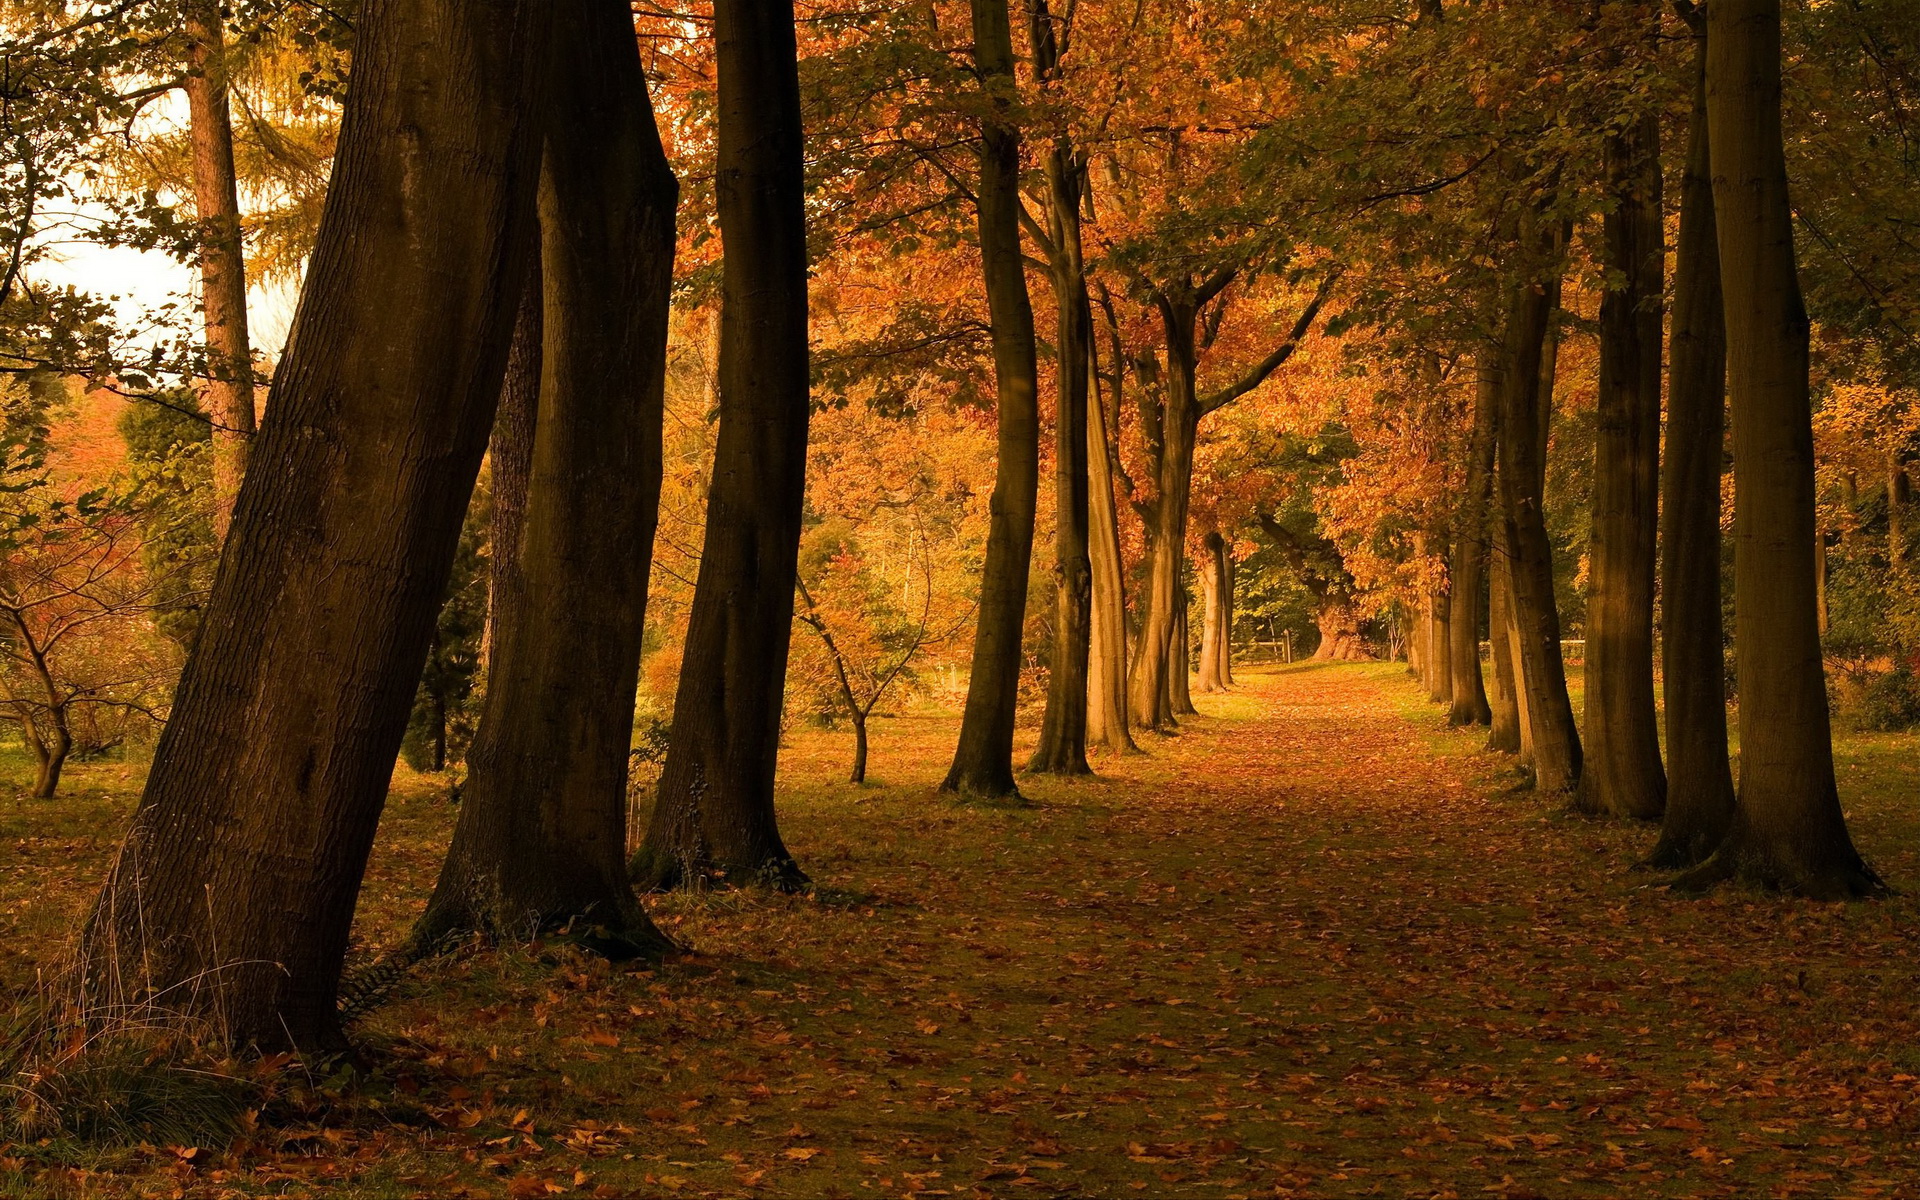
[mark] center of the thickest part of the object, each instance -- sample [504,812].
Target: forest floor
[1315,945]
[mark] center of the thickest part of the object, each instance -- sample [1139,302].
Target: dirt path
[1305,948]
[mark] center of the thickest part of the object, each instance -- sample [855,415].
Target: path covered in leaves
[1311,946]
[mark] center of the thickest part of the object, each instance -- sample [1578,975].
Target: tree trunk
[1215,586]
[1700,798]
[1897,498]
[510,457]
[1107,654]
[1549,719]
[1788,831]
[1416,642]
[1152,683]
[714,814]
[983,760]
[223,273]
[1622,775]
[1503,698]
[233,893]
[50,753]
[1063,730]
[1180,666]
[1440,640]
[1469,567]
[859,772]
[541,840]
[1339,624]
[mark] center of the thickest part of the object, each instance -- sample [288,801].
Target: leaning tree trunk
[1469,566]
[1063,730]
[1216,613]
[1107,723]
[541,840]
[223,272]
[232,895]
[1788,830]
[1700,798]
[1622,776]
[1549,715]
[714,813]
[983,760]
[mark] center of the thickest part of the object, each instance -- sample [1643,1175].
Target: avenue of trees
[732,365]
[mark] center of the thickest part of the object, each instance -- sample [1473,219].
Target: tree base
[655,870]
[1742,861]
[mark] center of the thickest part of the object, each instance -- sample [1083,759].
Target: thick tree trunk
[1339,623]
[1700,798]
[233,893]
[714,814]
[1555,750]
[983,760]
[1152,684]
[1503,698]
[1469,567]
[1063,730]
[510,457]
[1788,830]
[541,840]
[1622,775]
[223,272]
[1107,723]
[1416,642]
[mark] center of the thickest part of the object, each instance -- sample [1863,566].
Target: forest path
[1310,946]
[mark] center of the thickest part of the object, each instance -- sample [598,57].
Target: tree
[983,760]
[1468,570]
[1788,831]
[714,813]
[223,272]
[1622,775]
[1107,717]
[541,840]
[1216,610]
[1700,798]
[233,893]
[1063,732]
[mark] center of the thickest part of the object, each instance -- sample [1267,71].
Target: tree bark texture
[1788,830]
[1216,613]
[1503,698]
[1555,739]
[1700,797]
[1622,775]
[540,844]
[232,895]
[1180,669]
[1469,566]
[223,271]
[510,457]
[1107,723]
[714,813]
[983,759]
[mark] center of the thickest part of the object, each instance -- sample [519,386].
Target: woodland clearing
[1316,944]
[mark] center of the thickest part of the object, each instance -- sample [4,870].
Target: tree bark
[1700,797]
[1549,719]
[1622,775]
[510,457]
[714,814]
[1107,723]
[983,760]
[223,272]
[541,840]
[1503,698]
[1216,614]
[1151,681]
[1180,666]
[1439,603]
[1339,624]
[1788,831]
[1469,566]
[1063,730]
[233,893]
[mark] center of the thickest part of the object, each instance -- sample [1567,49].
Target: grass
[1314,946]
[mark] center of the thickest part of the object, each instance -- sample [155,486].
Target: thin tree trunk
[1788,831]
[983,760]
[1223,645]
[1549,719]
[714,814]
[1503,698]
[1107,723]
[232,896]
[1700,797]
[1215,586]
[50,758]
[1063,730]
[859,772]
[223,272]
[1180,665]
[1469,567]
[1151,683]
[1440,638]
[541,840]
[1622,775]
